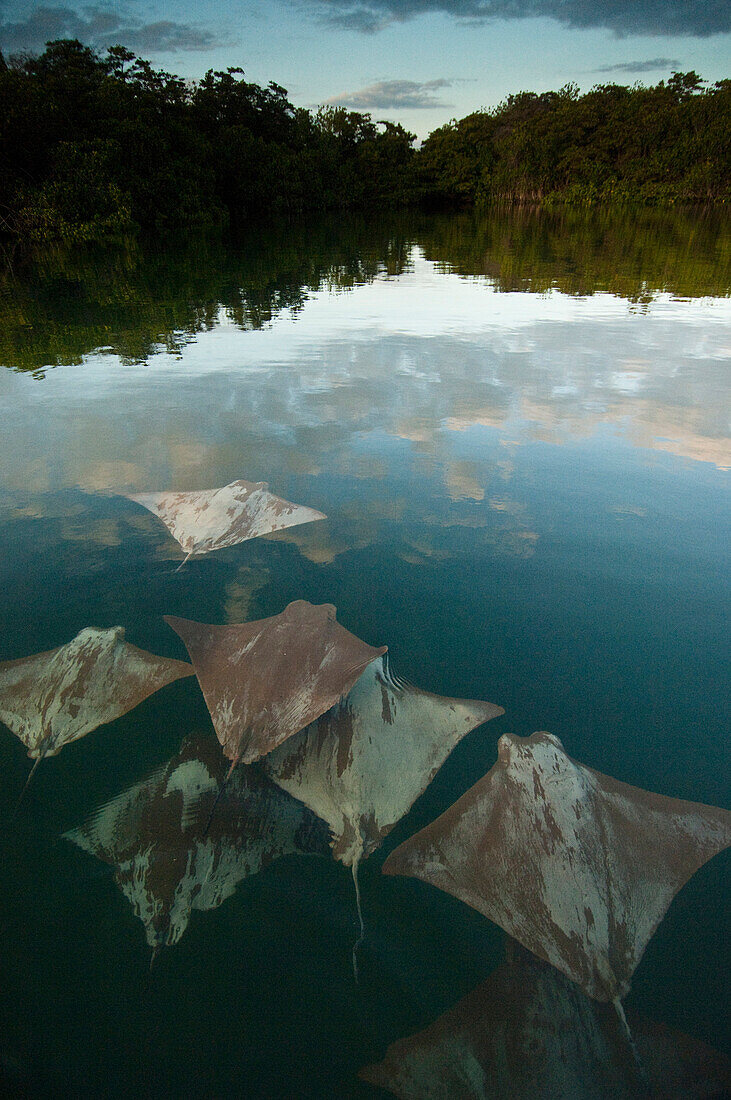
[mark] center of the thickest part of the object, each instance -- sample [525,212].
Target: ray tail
[44,749]
[221,789]
[641,1069]
[185,559]
[361,937]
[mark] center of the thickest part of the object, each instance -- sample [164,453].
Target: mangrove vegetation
[95,147]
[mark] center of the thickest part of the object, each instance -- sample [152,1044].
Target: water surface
[517,427]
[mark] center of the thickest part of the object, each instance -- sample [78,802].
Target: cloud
[166,36]
[392,95]
[354,17]
[695,18]
[652,65]
[100,27]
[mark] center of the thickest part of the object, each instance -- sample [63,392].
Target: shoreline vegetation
[95,148]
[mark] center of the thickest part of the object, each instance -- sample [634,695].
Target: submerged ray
[363,764]
[575,865]
[165,861]
[529,1033]
[53,698]
[265,680]
[210,519]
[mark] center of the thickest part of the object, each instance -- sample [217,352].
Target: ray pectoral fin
[92,680]
[401,862]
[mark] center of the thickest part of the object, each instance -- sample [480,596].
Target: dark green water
[517,429]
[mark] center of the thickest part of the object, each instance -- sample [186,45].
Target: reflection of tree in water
[137,299]
[634,254]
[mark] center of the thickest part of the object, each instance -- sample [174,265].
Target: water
[517,429]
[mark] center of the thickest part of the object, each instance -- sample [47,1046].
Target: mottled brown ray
[528,1033]
[209,519]
[578,867]
[164,861]
[53,698]
[362,765]
[265,680]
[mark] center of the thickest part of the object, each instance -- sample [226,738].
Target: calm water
[518,430]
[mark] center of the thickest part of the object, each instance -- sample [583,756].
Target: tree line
[94,147]
[661,145]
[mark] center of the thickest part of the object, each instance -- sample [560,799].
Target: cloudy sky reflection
[420,358]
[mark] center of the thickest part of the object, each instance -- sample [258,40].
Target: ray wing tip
[174,622]
[395,864]
[374,1075]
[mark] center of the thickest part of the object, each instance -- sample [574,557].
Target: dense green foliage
[94,147]
[132,298]
[661,145]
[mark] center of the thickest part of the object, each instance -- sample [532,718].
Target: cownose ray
[210,519]
[363,764]
[265,680]
[52,698]
[578,867]
[529,1033]
[167,863]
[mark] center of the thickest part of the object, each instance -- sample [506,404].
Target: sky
[417,62]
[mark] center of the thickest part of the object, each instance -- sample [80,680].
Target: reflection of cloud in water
[628,510]
[418,430]
[484,418]
[417,361]
[682,432]
[45,507]
[463,482]
[355,528]
[473,520]
[511,507]
[36,474]
[687,432]
[320,547]
[504,527]
[104,475]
